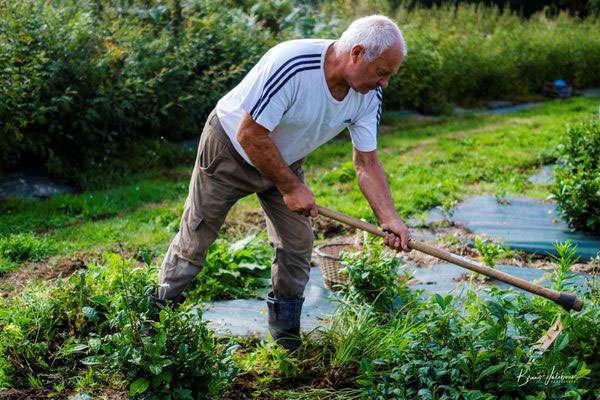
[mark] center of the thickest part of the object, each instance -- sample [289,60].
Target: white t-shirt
[286,92]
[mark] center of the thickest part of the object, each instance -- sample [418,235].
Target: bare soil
[13,282]
[39,394]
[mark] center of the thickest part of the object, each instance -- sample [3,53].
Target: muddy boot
[284,321]
[156,304]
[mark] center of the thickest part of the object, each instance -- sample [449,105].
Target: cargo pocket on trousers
[192,246]
[212,152]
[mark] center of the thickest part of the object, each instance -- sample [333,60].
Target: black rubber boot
[284,321]
[157,304]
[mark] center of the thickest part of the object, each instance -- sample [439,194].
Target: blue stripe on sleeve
[281,85]
[275,76]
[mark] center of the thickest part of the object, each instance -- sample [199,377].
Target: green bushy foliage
[469,54]
[577,188]
[232,271]
[479,346]
[83,85]
[94,319]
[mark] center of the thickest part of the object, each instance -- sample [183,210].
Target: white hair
[376,33]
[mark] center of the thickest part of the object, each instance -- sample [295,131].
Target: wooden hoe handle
[567,300]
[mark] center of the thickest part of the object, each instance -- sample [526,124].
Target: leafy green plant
[489,251]
[179,361]
[233,270]
[577,188]
[374,277]
[566,257]
[94,319]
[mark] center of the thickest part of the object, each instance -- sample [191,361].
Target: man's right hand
[300,199]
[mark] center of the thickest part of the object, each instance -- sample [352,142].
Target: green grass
[439,162]
[429,163]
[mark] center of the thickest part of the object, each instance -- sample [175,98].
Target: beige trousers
[220,178]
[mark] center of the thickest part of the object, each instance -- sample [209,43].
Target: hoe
[567,300]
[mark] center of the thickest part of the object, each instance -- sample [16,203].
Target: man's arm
[374,186]
[255,140]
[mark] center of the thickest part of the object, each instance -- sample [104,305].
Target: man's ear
[357,52]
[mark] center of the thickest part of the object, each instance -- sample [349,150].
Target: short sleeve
[363,132]
[271,92]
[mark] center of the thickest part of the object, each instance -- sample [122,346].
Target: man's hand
[301,200]
[397,235]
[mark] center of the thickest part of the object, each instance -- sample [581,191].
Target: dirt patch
[19,394]
[242,222]
[451,237]
[13,282]
[592,267]
[328,228]
[473,277]
[244,388]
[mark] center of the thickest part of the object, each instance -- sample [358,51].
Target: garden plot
[523,224]
[530,225]
[248,317]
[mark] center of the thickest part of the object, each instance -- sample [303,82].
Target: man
[298,96]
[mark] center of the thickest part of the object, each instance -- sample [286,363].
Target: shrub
[577,188]
[81,84]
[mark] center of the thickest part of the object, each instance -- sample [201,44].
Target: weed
[566,257]
[489,251]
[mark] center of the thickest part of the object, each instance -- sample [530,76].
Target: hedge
[81,83]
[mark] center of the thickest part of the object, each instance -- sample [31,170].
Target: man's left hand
[397,235]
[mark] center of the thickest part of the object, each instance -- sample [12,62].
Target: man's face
[365,76]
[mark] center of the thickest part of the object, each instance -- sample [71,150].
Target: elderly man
[298,96]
